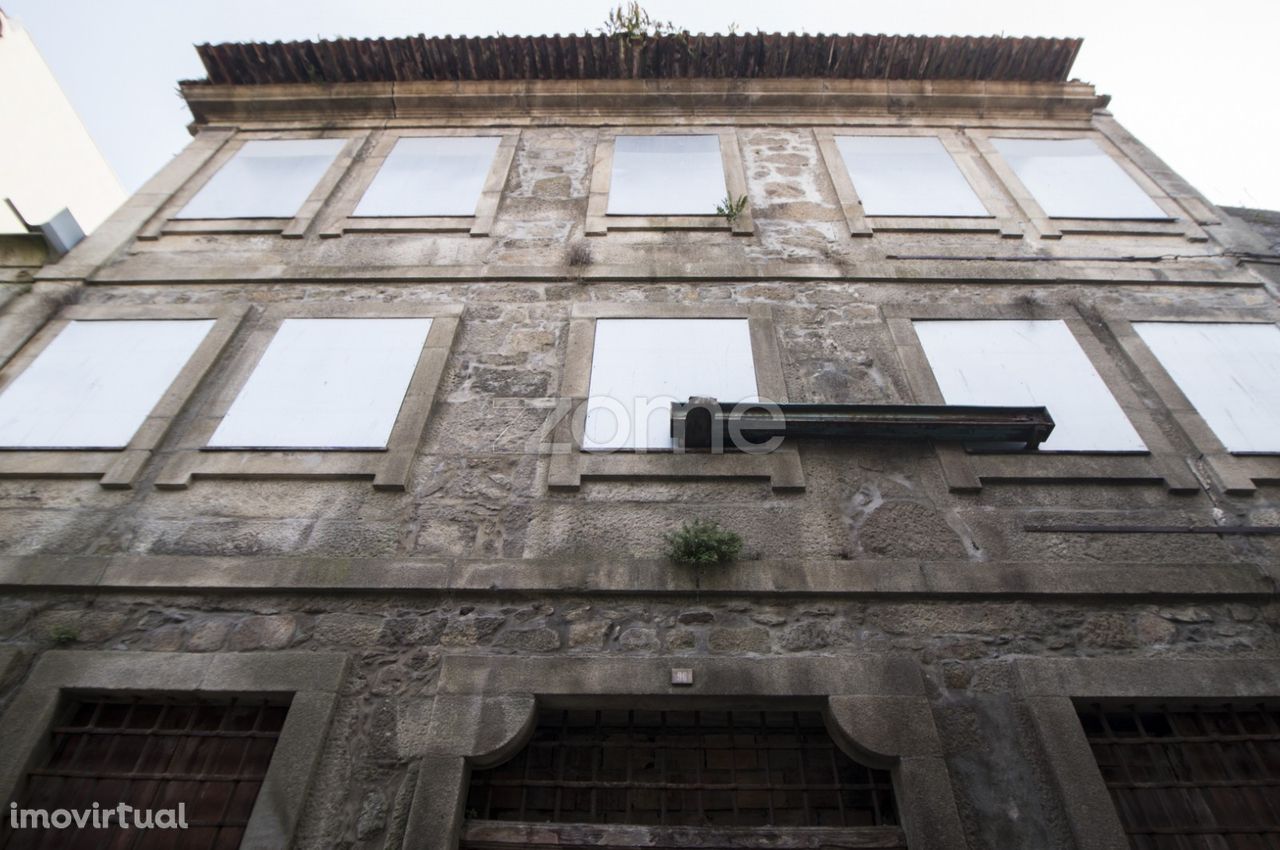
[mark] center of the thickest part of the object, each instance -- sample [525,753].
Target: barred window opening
[683,768]
[1191,777]
[153,754]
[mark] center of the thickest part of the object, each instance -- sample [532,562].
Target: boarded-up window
[1191,777]
[152,754]
[1015,362]
[431,177]
[266,178]
[666,175]
[96,382]
[684,768]
[640,366]
[1229,372]
[1074,178]
[326,384]
[907,176]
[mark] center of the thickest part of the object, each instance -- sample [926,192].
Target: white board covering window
[326,384]
[267,178]
[907,176]
[94,385]
[1230,372]
[1017,363]
[666,175]
[431,177]
[1074,178]
[640,366]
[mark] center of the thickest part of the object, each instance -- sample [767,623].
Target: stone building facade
[970,624]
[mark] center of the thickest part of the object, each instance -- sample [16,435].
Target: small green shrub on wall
[703,542]
[63,635]
[730,208]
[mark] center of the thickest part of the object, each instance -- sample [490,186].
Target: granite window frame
[338,216]
[166,221]
[389,468]
[965,470]
[1180,221]
[120,468]
[1001,216]
[600,223]
[485,710]
[1184,195]
[1051,688]
[570,463]
[1236,473]
[311,679]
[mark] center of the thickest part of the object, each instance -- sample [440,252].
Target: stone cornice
[632,101]
[562,576]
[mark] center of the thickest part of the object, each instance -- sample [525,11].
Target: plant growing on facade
[631,22]
[703,542]
[63,635]
[730,208]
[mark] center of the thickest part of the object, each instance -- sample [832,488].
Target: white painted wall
[326,384]
[1015,362]
[1229,371]
[47,160]
[907,175]
[666,175]
[640,366]
[96,383]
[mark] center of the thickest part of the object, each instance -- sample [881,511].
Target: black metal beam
[1153,529]
[704,423]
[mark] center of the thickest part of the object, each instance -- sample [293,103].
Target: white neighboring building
[47,159]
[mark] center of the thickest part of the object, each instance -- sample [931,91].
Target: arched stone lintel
[898,733]
[883,729]
[485,730]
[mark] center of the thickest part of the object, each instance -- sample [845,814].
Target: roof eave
[675,56]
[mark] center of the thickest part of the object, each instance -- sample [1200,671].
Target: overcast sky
[1195,80]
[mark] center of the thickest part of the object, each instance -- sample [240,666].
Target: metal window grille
[683,768]
[1191,777]
[153,754]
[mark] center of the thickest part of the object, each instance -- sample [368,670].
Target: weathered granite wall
[397,643]
[478,485]
[478,556]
